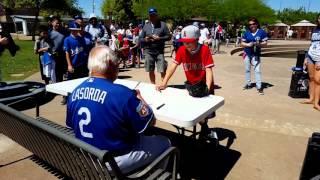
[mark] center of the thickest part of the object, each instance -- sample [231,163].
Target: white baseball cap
[189,34]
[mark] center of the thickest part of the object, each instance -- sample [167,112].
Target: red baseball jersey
[194,65]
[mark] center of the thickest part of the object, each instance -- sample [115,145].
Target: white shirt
[204,33]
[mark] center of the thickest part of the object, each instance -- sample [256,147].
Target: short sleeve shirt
[314,50]
[194,65]
[248,37]
[75,46]
[107,115]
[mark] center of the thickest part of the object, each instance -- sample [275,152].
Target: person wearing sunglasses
[252,41]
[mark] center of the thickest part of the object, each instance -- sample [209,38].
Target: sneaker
[260,91]
[246,87]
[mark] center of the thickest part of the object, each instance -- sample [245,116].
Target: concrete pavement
[272,129]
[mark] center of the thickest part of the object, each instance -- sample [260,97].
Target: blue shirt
[75,46]
[107,115]
[260,35]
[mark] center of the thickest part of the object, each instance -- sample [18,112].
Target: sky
[311,5]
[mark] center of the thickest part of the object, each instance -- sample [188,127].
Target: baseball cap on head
[190,34]
[153,11]
[77,17]
[74,26]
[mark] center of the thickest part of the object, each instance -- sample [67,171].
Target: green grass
[25,62]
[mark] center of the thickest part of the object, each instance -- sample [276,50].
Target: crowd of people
[115,117]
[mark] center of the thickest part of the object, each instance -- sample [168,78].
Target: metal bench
[57,146]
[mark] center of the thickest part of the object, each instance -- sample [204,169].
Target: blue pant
[254,61]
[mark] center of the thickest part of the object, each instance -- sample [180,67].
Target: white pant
[146,150]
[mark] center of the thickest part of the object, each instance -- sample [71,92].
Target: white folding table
[171,105]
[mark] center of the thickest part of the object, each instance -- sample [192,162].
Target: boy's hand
[70,69]
[160,87]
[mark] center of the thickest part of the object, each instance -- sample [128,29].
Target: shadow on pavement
[124,77]
[182,86]
[264,85]
[203,160]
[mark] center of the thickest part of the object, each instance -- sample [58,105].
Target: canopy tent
[279,24]
[303,29]
[304,23]
[278,30]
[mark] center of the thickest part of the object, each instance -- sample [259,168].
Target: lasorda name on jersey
[92,94]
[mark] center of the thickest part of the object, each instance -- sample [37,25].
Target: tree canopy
[65,7]
[213,10]
[291,16]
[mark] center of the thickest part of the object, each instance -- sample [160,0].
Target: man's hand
[147,39]
[3,41]
[70,69]
[155,37]
[317,66]
[161,86]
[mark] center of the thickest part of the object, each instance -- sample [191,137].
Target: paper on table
[153,97]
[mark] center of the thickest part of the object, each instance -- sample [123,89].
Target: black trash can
[301,55]
[310,168]
[299,86]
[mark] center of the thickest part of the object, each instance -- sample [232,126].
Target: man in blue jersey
[252,41]
[111,116]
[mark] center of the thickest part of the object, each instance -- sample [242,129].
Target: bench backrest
[57,146]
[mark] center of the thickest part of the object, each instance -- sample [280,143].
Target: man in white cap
[197,64]
[97,30]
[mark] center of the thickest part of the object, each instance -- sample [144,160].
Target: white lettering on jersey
[92,94]
[86,121]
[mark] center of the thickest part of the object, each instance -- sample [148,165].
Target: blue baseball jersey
[76,47]
[107,115]
[260,35]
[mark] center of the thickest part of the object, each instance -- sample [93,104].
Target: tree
[65,7]
[213,10]
[291,16]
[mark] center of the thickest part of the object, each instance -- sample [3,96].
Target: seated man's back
[111,116]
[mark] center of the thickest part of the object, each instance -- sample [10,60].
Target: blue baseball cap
[74,26]
[153,11]
[77,17]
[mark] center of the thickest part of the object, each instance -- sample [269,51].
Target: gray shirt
[57,41]
[160,29]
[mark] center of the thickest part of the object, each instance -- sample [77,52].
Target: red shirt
[194,65]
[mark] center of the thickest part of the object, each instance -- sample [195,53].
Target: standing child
[124,52]
[47,63]
[74,47]
[197,64]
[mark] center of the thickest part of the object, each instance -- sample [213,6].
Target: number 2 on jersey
[83,122]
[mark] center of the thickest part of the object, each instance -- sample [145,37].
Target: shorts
[155,59]
[311,61]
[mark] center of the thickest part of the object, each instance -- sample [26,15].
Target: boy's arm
[70,68]
[43,49]
[209,77]
[169,73]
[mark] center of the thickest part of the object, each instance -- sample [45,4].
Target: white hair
[99,57]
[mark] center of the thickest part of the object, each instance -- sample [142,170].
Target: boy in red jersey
[197,63]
